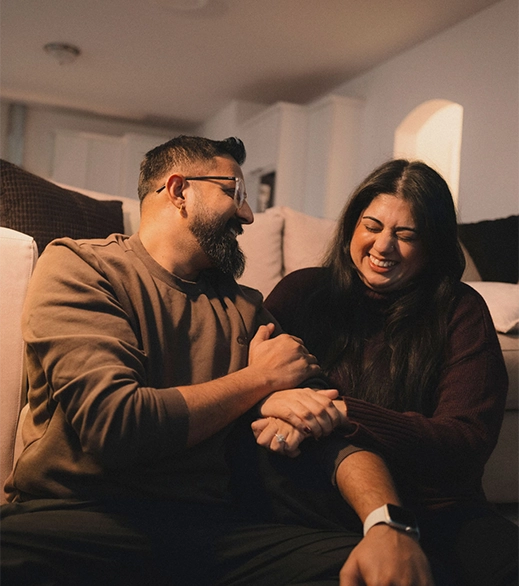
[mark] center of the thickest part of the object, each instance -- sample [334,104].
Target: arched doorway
[432,132]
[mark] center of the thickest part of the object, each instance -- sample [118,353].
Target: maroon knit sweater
[436,460]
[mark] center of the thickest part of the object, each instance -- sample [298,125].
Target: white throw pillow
[305,239]
[261,244]
[503,302]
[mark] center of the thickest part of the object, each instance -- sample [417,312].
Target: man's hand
[311,412]
[274,364]
[283,362]
[386,557]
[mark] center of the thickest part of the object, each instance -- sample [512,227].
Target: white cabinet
[275,141]
[134,147]
[90,161]
[312,150]
[332,154]
[109,164]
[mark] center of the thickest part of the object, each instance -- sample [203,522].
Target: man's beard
[217,239]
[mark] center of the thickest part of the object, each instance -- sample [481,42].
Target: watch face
[401,516]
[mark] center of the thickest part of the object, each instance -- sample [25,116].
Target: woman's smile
[381,263]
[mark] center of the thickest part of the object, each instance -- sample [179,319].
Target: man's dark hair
[182,152]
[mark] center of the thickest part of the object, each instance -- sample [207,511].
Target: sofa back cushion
[305,239]
[262,244]
[494,247]
[45,211]
[282,240]
[131,207]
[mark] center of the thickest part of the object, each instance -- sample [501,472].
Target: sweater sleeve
[456,441]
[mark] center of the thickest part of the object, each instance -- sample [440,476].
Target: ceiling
[149,61]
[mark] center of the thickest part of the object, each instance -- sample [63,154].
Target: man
[142,354]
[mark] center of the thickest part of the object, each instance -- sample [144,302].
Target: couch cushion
[510,347]
[502,300]
[305,239]
[261,243]
[45,211]
[131,207]
[494,246]
[471,272]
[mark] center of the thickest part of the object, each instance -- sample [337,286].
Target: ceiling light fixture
[181,5]
[190,4]
[62,52]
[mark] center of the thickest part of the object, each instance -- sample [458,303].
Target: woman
[415,356]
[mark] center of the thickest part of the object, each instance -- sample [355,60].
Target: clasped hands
[290,415]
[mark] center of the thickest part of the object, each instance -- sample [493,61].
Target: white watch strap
[377,516]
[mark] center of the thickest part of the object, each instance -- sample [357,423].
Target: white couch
[280,241]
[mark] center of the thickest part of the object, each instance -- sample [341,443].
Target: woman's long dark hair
[415,330]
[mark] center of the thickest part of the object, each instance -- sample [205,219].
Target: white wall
[476,65]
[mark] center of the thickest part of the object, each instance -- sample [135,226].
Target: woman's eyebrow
[372,218]
[397,229]
[400,228]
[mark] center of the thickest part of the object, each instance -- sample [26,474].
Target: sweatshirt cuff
[177,414]
[335,450]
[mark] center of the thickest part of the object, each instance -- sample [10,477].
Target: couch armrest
[18,255]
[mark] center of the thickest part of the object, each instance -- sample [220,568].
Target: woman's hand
[311,412]
[278,436]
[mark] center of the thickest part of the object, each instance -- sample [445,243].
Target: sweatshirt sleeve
[88,369]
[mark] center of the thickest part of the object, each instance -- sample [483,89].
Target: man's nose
[245,214]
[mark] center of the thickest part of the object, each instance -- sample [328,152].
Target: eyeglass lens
[240,196]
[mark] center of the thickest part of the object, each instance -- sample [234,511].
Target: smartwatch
[396,517]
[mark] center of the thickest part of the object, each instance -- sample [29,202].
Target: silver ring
[281,438]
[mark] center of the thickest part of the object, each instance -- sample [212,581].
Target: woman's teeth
[385,264]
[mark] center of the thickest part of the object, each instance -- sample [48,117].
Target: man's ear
[175,190]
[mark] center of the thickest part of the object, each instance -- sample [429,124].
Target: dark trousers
[477,544]
[56,542]
[471,543]
[135,543]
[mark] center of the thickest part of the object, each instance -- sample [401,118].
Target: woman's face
[386,248]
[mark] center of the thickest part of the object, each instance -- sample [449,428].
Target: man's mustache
[235,225]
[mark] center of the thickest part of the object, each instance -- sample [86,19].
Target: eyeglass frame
[240,195]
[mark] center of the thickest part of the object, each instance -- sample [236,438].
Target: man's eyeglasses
[239,194]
